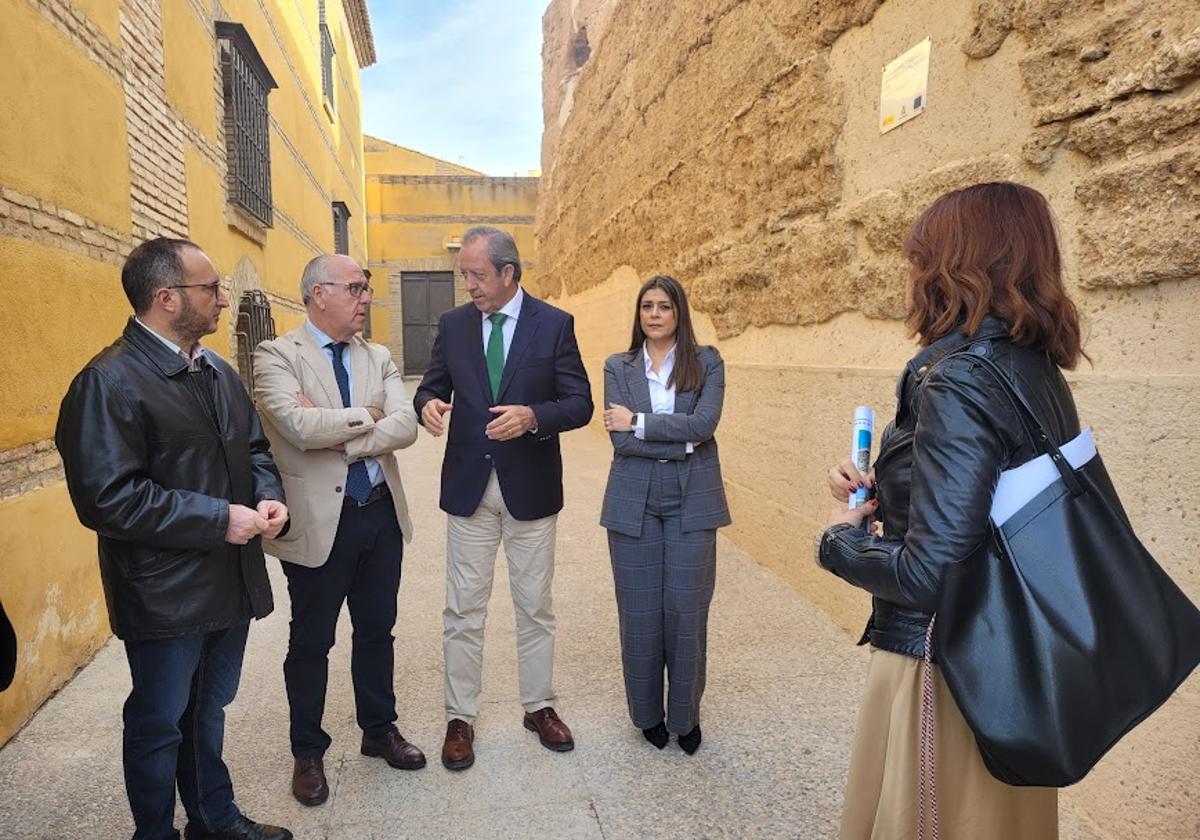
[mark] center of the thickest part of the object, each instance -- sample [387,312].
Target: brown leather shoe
[552,732]
[308,781]
[458,752]
[393,749]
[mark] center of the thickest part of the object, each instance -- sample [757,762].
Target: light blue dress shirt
[374,471]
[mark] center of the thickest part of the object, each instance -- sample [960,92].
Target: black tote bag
[1066,633]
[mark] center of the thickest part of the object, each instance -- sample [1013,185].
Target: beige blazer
[314,475]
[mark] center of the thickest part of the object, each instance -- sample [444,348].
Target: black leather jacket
[939,460]
[153,475]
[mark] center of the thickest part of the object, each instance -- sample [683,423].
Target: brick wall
[156,134]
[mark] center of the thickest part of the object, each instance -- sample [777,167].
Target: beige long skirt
[882,792]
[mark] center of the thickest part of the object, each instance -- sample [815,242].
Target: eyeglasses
[355,290]
[214,288]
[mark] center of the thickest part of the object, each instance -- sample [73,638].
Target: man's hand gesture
[275,513]
[244,524]
[511,421]
[433,416]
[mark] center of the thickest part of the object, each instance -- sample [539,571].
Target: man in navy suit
[512,366]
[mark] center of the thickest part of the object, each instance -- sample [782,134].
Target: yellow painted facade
[112,130]
[418,207]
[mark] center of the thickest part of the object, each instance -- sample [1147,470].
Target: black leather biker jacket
[955,431]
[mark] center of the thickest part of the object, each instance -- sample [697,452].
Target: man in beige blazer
[335,409]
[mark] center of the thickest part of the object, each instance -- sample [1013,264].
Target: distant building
[418,207]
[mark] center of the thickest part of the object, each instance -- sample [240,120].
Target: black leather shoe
[690,742]
[657,735]
[393,749]
[241,829]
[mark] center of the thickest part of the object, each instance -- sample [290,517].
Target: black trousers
[363,570]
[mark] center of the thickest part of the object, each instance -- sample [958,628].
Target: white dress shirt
[374,471]
[508,329]
[513,310]
[662,395]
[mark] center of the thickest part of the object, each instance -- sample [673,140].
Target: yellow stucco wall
[50,585]
[388,157]
[78,161]
[55,287]
[401,241]
[69,212]
[477,196]
[104,13]
[189,59]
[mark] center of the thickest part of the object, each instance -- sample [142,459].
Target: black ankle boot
[690,742]
[657,735]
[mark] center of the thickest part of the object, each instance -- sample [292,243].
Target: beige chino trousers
[471,545]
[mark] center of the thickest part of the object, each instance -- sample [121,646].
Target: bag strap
[927,760]
[1043,443]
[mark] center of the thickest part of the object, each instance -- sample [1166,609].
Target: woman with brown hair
[986,278]
[662,507]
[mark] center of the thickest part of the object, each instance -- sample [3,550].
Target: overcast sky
[458,79]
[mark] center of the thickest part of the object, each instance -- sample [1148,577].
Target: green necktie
[495,352]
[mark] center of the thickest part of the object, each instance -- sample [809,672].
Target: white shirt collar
[513,308]
[668,360]
[197,351]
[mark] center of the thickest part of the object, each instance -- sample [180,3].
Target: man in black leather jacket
[165,459]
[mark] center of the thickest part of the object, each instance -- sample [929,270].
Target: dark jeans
[175,728]
[363,570]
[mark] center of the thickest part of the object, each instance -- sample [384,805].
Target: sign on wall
[903,93]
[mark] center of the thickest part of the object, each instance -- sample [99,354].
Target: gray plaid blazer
[667,435]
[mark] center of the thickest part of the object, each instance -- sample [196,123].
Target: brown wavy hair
[991,248]
[688,373]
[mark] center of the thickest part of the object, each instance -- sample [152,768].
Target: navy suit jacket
[543,371]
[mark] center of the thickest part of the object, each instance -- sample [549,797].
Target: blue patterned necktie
[358,483]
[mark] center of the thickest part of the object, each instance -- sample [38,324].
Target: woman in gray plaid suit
[662,507]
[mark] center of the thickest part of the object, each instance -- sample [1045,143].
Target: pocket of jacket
[161,561]
[297,504]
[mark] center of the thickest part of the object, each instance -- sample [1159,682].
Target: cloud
[459,79]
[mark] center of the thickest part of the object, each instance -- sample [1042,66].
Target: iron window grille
[341,228]
[254,326]
[327,53]
[245,84]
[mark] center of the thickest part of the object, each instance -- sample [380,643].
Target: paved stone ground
[783,688]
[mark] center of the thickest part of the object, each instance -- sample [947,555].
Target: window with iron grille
[341,228]
[245,84]
[327,54]
[254,326]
